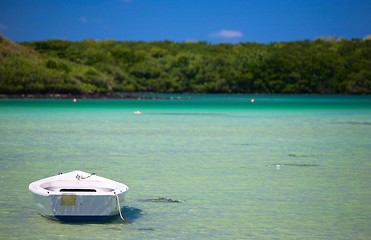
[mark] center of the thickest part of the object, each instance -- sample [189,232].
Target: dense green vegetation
[305,67]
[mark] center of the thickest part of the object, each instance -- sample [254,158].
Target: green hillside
[332,66]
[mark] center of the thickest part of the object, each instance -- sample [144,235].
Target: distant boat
[78,196]
[137,112]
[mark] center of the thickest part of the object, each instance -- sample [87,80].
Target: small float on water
[78,196]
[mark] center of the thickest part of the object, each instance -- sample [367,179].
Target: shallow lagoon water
[215,154]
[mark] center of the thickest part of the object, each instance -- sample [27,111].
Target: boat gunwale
[104,186]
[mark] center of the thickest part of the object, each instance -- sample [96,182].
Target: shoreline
[140,95]
[80,96]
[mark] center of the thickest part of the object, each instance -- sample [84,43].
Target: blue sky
[213,21]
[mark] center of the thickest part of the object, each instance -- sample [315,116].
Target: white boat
[78,196]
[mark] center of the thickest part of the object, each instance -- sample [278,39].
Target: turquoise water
[216,154]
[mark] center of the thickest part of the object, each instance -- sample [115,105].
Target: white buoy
[137,112]
[278,167]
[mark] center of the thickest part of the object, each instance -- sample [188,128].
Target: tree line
[335,66]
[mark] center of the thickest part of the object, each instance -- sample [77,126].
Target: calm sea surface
[216,154]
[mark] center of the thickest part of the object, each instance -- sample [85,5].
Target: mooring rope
[118,205]
[78,177]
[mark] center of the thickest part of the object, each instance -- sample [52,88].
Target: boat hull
[84,208]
